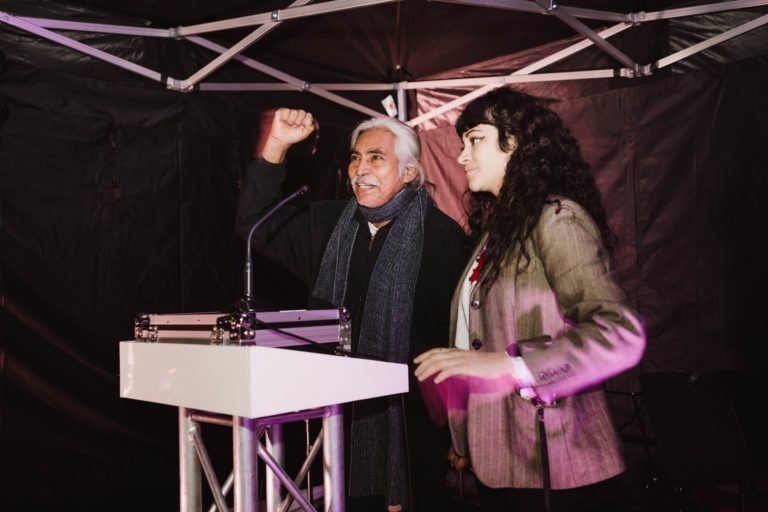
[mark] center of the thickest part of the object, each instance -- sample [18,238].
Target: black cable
[544,457]
[308,341]
[334,352]
[635,416]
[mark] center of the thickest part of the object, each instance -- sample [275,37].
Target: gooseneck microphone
[248,275]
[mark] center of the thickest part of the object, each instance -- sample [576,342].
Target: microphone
[248,275]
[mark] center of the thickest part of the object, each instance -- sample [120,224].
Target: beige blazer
[568,293]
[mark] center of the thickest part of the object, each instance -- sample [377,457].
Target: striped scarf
[377,445]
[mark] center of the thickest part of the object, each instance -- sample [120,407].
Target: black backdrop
[115,201]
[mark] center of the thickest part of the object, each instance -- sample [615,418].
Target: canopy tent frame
[44,28]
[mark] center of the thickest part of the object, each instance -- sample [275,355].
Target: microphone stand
[248,274]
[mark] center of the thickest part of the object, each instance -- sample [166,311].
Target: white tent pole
[729,34]
[275,17]
[278,15]
[228,86]
[244,43]
[100,28]
[639,17]
[31,25]
[512,79]
[223,58]
[285,77]
[493,82]
[566,52]
[450,105]
[422,84]
[513,5]
[537,8]
[571,50]
[568,14]
[527,6]
[601,43]
[402,105]
[76,45]
[699,9]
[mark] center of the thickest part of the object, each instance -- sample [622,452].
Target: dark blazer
[568,293]
[296,236]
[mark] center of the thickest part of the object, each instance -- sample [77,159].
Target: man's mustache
[365,180]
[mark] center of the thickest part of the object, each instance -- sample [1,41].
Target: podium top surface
[251,381]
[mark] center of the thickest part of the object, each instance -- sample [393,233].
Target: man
[393,259]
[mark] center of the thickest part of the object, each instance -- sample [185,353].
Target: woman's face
[484,161]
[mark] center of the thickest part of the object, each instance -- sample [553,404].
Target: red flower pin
[478,267]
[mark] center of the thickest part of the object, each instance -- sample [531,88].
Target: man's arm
[281,238]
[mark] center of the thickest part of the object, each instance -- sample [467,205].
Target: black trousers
[428,456]
[612,495]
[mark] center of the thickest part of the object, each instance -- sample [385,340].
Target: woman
[538,320]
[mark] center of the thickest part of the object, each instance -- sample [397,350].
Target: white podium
[251,388]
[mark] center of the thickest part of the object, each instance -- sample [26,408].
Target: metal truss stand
[247,448]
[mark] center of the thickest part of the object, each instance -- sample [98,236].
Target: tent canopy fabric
[376,45]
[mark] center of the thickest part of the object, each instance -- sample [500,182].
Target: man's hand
[451,362]
[288,127]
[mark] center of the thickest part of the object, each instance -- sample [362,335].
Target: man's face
[374,169]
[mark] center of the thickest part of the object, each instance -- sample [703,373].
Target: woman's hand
[450,362]
[457,461]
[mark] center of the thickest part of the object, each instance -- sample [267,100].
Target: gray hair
[407,145]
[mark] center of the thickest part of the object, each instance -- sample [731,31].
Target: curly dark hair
[546,161]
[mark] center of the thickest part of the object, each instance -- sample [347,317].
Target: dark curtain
[677,160]
[115,200]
